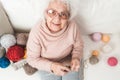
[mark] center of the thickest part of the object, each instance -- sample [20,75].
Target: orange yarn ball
[105,38]
[95,53]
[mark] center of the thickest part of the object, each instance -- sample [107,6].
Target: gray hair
[72,6]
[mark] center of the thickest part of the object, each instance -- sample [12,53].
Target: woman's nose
[57,18]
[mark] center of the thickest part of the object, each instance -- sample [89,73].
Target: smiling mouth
[56,24]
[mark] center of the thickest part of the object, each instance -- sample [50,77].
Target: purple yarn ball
[96,36]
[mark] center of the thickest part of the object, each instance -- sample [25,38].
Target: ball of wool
[22,38]
[15,53]
[25,56]
[8,40]
[95,52]
[105,38]
[107,48]
[93,60]
[96,36]
[2,52]
[4,62]
[29,70]
[112,61]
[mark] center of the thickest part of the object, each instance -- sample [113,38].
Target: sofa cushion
[5,26]
[23,14]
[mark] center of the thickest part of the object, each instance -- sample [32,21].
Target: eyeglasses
[52,13]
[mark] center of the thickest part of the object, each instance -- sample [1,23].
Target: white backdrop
[95,15]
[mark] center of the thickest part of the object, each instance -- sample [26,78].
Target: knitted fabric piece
[29,70]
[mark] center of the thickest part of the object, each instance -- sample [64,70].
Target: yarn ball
[95,53]
[4,62]
[22,38]
[29,70]
[96,36]
[2,52]
[107,48]
[25,56]
[93,60]
[112,61]
[15,53]
[105,38]
[8,40]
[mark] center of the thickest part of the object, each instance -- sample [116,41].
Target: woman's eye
[64,15]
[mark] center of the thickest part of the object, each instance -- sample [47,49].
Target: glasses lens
[51,13]
[62,15]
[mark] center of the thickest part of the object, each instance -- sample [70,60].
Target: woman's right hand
[59,69]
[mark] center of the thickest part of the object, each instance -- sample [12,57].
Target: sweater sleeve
[34,52]
[77,51]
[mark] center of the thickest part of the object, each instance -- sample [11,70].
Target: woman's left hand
[75,64]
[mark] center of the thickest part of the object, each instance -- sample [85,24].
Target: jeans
[70,76]
[50,76]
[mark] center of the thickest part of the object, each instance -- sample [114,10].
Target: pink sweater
[44,47]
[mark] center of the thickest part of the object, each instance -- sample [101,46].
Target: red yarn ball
[15,53]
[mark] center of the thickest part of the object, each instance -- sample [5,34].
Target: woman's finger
[65,69]
[77,68]
[73,66]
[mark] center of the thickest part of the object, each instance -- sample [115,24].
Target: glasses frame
[53,13]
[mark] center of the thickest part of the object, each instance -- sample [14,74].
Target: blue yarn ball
[4,62]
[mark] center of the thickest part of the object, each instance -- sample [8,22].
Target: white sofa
[94,16]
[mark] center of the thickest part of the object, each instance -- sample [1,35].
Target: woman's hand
[59,69]
[75,64]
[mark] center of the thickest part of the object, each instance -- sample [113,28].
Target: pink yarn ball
[96,36]
[22,38]
[112,61]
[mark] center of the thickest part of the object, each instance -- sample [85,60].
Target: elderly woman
[55,46]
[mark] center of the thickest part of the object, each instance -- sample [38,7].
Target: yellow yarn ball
[25,51]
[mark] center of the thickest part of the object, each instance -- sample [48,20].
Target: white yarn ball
[8,40]
[108,48]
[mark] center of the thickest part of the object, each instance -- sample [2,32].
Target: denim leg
[48,76]
[75,75]
[71,76]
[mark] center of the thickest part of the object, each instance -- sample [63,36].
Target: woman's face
[56,16]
